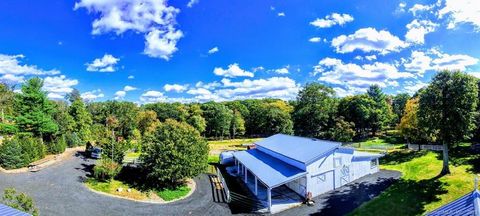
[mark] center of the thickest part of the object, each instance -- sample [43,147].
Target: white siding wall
[299,186]
[320,175]
[362,168]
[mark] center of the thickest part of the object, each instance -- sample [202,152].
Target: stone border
[191,184]
[56,158]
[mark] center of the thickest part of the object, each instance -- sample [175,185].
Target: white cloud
[331,20]
[461,11]
[152,97]
[131,77]
[129,88]
[413,86]
[120,95]
[162,44]
[273,87]
[191,3]
[371,57]
[368,40]
[11,65]
[417,29]
[213,50]
[92,95]
[420,8]
[105,64]
[436,60]
[281,14]
[315,39]
[334,71]
[153,17]
[12,79]
[283,70]
[58,86]
[175,87]
[233,70]
[210,86]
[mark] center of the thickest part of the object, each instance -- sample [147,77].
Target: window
[337,162]
[373,163]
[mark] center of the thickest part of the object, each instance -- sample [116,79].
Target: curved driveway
[58,190]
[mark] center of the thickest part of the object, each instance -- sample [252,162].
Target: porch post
[269,196]
[246,175]
[238,168]
[256,191]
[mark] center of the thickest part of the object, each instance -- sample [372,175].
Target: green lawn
[419,190]
[217,146]
[169,195]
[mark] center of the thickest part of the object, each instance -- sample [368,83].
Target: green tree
[6,102]
[398,106]
[237,127]
[73,95]
[275,117]
[195,118]
[174,153]
[381,112]
[82,119]
[147,121]
[342,131]
[62,117]
[315,107]
[359,110]
[409,127]
[34,110]
[11,155]
[448,107]
[218,118]
[176,111]
[20,201]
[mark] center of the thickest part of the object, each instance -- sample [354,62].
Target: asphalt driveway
[58,190]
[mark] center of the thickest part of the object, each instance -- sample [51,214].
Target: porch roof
[271,171]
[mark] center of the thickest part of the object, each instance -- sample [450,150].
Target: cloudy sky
[197,50]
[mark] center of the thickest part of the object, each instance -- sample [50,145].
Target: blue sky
[196,50]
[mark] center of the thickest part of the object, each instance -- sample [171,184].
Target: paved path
[347,198]
[58,190]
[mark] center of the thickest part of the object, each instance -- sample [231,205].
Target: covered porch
[267,178]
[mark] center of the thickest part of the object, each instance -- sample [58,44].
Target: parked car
[96,153]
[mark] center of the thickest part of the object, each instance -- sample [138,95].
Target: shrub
[20,201]
[8,128]
[175,152]
[73,140]
[106,169]
[11,156]
[32,148]
[58,145]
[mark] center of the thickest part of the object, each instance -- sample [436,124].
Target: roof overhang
[269,170]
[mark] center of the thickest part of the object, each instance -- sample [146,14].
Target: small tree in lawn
[448,108]
[175,152]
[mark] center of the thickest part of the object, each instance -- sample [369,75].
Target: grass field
[217,146]
[420,190]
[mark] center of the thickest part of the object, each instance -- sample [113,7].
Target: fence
[418,147]
[224,184]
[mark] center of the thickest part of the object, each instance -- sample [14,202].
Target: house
[305,166]
[469,204]
[8,211]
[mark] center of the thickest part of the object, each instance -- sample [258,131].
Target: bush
[11,156]
[106,170]
[73,140]
[20,151]
[58,145]
[8,128]
[175,152]
[20,201]
[118,152]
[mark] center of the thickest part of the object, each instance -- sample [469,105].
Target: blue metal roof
[271,171]
[463,206]
[8,211]
[301,149]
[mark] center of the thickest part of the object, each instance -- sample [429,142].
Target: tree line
[444,112]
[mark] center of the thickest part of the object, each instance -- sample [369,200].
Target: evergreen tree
[82,119]
[34,110]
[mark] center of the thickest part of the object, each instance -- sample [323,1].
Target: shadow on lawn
[401,157]
[405,197]
[464,155]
